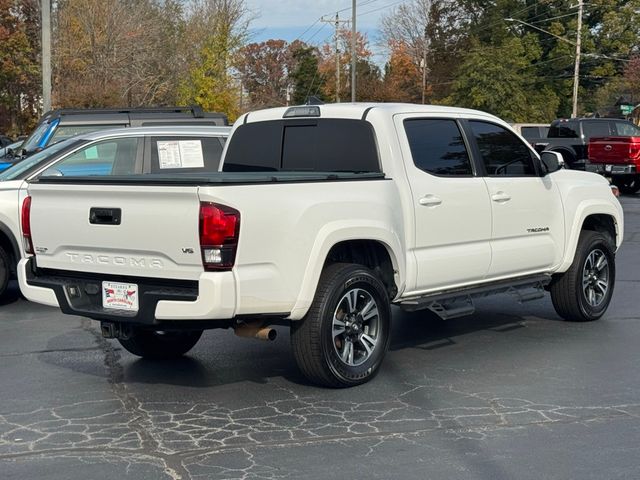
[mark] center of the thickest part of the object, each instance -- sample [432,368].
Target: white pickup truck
[321,218]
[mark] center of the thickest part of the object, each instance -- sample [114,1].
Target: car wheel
[5,270]
[160,345]
[627,185]
[342,340]
[584,291]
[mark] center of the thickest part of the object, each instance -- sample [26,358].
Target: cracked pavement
[510,392]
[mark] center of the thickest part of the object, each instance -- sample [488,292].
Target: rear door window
[305,145]
[115,156]
[437,147]
[185,154]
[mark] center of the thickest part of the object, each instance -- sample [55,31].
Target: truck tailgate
[613,150]
[136,230]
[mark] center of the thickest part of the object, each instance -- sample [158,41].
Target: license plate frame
[120,296]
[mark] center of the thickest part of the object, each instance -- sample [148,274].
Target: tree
[435,27]
[115,52]
[402,78]
[327,65]
[304,74]
[19,65]
[215,31]
[498,80]
[263,69]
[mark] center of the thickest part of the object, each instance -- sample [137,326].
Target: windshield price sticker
[180,154]
[120,296]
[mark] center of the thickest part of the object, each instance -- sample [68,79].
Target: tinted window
[437,146]
[626,129]
[66,131]
[503,153]
[108,157]
[185,154]
[563,130]
[330,145]
[532,132]
[595,129]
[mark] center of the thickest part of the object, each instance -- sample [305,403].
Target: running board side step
[459,302]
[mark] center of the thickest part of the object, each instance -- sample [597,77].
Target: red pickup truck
[619,158]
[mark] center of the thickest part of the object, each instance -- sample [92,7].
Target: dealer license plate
[120,296]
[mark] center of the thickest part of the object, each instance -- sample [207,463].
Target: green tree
[304,75]
[19,65]
[498,79]
[215,31]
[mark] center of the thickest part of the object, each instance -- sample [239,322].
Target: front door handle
[500,197]
[430,201]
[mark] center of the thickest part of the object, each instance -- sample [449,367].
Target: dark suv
[60,124]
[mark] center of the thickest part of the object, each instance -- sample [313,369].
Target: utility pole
[46,55]
[576,70]
[336,23]
[424,65]
[353,51]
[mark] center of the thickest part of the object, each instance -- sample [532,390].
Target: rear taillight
[219,231]
[26,225]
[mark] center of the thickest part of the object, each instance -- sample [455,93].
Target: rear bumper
[211,297]
[612,169]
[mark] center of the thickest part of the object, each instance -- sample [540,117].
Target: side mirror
[551,162]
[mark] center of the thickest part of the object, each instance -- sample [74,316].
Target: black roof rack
[196,110]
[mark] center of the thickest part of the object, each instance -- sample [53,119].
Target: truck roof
[360,110]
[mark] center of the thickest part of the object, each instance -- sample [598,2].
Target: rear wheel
[584,291]
[5,270]
[159,345]
[343,338]
[627,184]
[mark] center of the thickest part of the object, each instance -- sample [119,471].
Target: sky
[293,19]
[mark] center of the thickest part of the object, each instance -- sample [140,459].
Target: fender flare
[333,233]
[585,209]
[13,242]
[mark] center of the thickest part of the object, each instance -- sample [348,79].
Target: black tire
[5,270]
[160,345]
[626,184]
[573,301]
[316,348]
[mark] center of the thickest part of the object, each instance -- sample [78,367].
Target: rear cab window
[626,129]
[595,129]
[304,145]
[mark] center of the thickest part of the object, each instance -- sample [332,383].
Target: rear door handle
[430,201]
[500,197]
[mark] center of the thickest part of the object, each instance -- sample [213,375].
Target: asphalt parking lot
[510,392]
